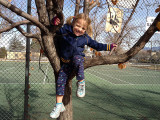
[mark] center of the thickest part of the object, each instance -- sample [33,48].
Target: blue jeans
[75,64]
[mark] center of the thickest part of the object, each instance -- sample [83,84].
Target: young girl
[74,37]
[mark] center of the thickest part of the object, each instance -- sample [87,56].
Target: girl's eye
[83,29]
[77,25]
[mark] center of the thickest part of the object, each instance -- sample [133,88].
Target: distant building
[21,55]
[16,55]
[153,53]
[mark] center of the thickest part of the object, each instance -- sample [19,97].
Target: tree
[46,10]
[35,47]
[3,52]
[155,58]
[142,56]
[15,45]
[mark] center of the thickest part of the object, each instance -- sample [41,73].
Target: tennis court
[132,75]
[111,74]
[111,93]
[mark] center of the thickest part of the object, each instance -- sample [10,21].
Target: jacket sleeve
[98,46]
[62,30]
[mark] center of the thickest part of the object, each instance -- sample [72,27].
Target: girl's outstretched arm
[100,46]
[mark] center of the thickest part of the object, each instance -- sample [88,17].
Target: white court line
[137,75]
[113,78]
[125,72]
[131,73]
[125,81]
[100,78]
[7,69]
[88,73]
[24,83]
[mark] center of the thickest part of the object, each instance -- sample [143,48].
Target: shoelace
[55,110]
[81,87]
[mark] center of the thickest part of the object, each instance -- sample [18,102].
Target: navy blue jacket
[71,45]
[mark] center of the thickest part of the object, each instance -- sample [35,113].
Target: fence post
[26,91]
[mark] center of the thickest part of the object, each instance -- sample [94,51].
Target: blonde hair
[72,19]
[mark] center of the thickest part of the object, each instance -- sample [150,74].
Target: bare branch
[77,7]
[101,60]
[49,6]
[42,12]
[54,8]
[17,25]
[86,7]
[144,39]
[126,23]
[23,14]
[13,25]
[93,5]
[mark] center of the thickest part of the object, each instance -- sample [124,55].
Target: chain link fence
[111,93]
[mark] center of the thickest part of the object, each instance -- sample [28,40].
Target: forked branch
[23,14]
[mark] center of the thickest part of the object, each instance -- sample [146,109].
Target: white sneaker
[81,89]
[57,110]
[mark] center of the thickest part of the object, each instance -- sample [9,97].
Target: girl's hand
[55,21]
[113,46]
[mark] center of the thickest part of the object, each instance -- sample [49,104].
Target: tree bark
[42,12]
[77,7]
[86,7]
[50,51]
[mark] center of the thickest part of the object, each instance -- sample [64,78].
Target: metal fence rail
[27,88]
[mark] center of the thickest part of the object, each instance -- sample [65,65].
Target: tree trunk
[50,51]
[49,42]
[67,100]
[86,7]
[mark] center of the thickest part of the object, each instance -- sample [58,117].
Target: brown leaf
[114,2]
[158,25]
[158,9]
[121,66]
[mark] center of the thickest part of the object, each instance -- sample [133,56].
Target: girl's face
[79,27]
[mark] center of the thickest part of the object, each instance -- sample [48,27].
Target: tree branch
[144,39]
[86,7]
[77,7]
[49,6]
[42,12]
[17,25]
[126,23]
[114,59]
[58,6]
[23,14]
[93,5]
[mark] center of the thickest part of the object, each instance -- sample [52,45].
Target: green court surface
[111,94]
